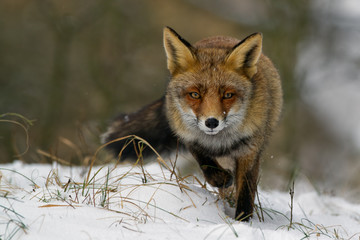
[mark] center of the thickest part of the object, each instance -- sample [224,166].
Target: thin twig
[291,203]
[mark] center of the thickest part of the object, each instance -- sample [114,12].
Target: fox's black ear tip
[257,37]
[169,30]
[256,34]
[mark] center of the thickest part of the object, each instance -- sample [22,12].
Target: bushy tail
[149,123]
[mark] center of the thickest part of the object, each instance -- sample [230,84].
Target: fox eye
[194,95]
[228,95]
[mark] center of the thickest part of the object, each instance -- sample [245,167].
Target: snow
[52,202]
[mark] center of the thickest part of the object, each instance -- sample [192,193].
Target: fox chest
[224,156]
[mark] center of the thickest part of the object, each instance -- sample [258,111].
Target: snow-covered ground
[126,202]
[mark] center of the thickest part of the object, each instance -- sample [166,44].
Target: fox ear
[180,54]
[246,54]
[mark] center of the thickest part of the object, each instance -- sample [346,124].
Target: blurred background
[72,65]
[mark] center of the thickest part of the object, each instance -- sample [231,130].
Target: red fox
[223,100]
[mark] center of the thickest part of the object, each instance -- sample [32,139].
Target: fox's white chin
[211,132]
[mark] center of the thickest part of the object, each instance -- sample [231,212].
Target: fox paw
[218,177]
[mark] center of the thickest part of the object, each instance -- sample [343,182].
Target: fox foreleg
[247,171]
[213,172]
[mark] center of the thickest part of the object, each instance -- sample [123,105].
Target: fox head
[211,83]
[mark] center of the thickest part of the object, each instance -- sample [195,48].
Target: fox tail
[149,123]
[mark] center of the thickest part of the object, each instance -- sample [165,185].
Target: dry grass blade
[56,205]
[227,221]
[132,137]
[53,157]
[13,220]
[24,126]
[73,146]
[10,170]
[130,201]
[157,207]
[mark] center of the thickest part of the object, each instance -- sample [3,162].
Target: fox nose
[212,123]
